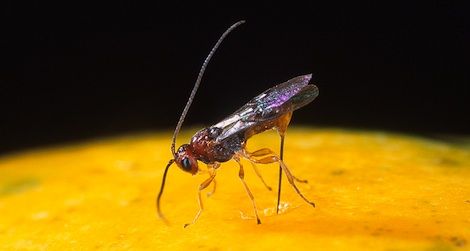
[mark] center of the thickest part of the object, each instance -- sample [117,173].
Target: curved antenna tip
[159,196]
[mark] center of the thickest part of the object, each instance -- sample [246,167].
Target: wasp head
[185,159]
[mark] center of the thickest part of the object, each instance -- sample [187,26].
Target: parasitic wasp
[227,139]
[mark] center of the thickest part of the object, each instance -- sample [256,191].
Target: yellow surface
[373,191]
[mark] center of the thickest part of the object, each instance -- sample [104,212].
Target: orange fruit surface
[372,190]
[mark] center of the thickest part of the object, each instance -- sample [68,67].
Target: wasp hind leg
[241,174]
[259,176]
[270,157]
[266,151]
[202,186]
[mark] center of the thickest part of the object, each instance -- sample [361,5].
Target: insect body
[226,140]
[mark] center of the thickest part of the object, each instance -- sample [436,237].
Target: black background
[78,71]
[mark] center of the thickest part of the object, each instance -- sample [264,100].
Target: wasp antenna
[160,214]
[198,81]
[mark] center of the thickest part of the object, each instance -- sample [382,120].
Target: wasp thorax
[185,159]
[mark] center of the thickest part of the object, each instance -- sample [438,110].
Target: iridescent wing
[269,105]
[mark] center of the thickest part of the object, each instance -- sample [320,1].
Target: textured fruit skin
[373,191]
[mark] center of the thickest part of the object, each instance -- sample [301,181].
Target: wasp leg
[213,167]
[209,194]
[282,124]
[261,152]
[241,174]
[259,176]
[203,185]
[266,151]
[290,177]
[281,153]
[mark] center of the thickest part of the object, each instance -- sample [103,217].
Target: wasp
[227,139]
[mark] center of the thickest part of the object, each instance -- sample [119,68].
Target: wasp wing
[269,105]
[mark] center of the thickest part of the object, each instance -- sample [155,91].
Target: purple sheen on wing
[279,94]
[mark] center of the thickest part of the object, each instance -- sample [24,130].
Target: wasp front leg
[209,194]
[202,186]
[214,186]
